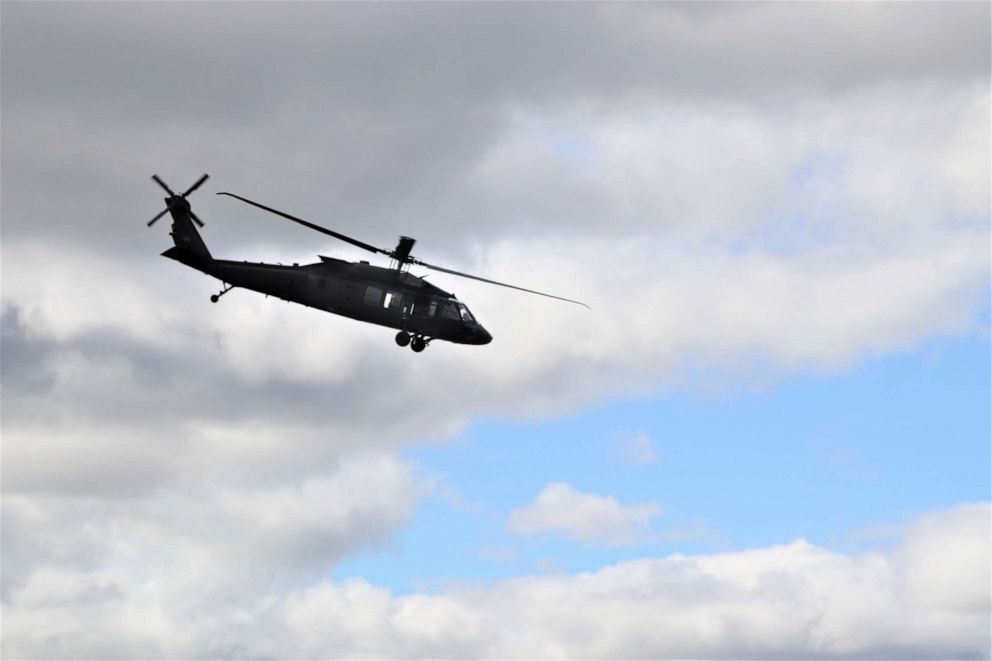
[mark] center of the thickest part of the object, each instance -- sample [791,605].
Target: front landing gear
[417,342]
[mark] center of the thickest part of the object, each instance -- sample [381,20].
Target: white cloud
[927,597]
[639,449]
[696,530]
[949,577]
[584,517]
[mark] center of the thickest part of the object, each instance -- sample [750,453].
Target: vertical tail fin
[184,233]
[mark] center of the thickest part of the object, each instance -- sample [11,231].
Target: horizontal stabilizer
[183,255]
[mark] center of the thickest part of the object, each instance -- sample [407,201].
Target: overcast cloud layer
[739,191]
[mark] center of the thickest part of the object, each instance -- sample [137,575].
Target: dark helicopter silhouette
[390,296]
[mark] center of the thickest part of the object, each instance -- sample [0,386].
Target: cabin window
[449,311]
[432,309]
[373,295]
[391,300]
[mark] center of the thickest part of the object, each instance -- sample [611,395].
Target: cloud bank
[925,597]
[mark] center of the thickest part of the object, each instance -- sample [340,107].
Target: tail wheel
[418,344]
[403,339]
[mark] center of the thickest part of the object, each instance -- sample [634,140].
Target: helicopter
[386,296]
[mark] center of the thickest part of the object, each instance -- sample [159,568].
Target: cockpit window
[466,315]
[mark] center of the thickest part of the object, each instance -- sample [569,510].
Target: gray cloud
[376,117]
[238,538]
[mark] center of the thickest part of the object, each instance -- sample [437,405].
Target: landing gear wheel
[402,338]
[216,297]
[418,344]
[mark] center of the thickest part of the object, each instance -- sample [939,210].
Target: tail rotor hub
[177,201]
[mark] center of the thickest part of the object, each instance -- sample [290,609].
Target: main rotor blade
[305,223]
[494,282]
[199,182]
[163,185]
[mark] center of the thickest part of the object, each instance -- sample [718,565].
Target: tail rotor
[177,200]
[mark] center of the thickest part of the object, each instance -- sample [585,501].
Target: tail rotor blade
[163,185]
[195,219]
[199,182]
[155,219]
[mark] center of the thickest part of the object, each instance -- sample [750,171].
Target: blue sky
[833,458]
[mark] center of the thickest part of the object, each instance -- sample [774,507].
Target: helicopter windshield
[466,315]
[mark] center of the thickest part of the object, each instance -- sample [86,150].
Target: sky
[768,438]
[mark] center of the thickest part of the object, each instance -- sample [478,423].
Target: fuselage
[383,296]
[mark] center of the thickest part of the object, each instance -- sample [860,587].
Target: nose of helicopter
[481,336]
